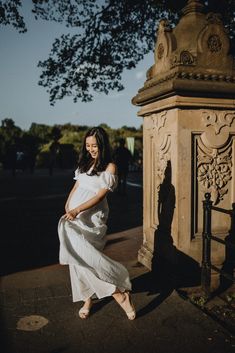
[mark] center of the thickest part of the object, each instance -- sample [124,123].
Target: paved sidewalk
[37,313]
[165,322]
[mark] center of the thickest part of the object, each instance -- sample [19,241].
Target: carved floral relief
[214,43]
[214,169]
[186,58]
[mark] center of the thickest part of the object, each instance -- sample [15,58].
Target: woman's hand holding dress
[71,215]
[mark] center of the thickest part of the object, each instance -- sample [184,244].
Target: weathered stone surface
[191,59]
[188,107]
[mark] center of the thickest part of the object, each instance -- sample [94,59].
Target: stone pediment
[192,58]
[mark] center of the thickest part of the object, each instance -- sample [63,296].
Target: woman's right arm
[70,195]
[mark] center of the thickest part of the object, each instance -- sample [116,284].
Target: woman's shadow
[171,268]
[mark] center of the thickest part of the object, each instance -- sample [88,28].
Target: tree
[112,36]
[10,135]
[41,131]
[10,14]
[9,132]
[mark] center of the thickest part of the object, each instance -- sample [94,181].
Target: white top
[104,180]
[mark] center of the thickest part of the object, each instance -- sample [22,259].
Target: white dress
[92,273]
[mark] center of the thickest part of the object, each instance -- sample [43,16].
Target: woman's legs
[122,298]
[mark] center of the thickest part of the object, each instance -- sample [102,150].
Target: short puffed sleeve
[76,174]
[108,180]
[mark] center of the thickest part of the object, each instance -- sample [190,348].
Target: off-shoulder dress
[92,273]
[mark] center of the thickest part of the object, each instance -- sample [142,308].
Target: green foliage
[9,136]
[43,158]
[37,141]
[10,14]
[72,137]
[199,300]
[41,131]
[9,131]
[230,297]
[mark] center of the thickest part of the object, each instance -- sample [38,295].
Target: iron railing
[227,269]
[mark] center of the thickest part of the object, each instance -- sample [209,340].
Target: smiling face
[92,146]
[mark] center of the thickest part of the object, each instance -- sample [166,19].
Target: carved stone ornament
[218,120]
[214,169]
[160,51]
[164,26]
[159,120]
[193,6]
[214,43]
[149,123]
[186,58]
[214,18]
[162,158]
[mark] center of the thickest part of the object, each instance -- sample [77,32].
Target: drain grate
[31,323]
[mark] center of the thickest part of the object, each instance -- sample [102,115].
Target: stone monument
[188,109]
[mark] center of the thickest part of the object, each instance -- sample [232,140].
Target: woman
[82,229]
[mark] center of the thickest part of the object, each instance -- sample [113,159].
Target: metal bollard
[232,230]
[230,253]
[206,246]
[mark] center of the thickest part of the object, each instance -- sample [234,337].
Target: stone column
[188,107]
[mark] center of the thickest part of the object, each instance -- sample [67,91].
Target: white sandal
[131,314]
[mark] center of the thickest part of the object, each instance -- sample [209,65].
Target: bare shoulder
[111,168]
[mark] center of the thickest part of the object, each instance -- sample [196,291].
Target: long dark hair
[104,156]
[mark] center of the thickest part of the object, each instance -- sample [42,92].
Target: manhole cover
[31,323]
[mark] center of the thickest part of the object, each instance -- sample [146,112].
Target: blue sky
[24,101]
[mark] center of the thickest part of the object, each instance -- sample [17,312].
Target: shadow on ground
[171,268]
[165,277]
